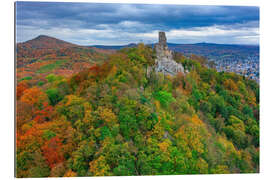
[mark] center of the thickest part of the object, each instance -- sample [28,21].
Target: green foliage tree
[54,96]
[165,98]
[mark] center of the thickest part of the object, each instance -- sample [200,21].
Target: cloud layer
[96,23]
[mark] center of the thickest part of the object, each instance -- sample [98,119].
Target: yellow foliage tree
[202,166]
[70,173]
[99,167]
[193,135]
[107,115]
[164,145]
[230,84]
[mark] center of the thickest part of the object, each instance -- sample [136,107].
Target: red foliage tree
[52,151]
[44,114]
[21,87]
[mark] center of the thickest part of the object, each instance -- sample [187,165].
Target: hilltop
[45,42]
[44,45]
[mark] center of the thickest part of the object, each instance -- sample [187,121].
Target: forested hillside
[114,118]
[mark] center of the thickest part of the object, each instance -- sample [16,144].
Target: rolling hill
[211,51]
[44,55]
[45,42]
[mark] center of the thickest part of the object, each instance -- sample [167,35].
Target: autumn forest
[85,111]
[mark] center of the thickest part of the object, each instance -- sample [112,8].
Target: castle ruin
[164,62]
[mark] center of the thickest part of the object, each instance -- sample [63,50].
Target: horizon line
[202,42]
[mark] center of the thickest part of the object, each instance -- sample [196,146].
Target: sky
[120,24]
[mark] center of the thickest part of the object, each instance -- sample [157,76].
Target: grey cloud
[126,21]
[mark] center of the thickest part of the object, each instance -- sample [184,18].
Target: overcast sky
[117,24]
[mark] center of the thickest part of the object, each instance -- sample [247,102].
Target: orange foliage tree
[21,87]
[52,151]
[34,96]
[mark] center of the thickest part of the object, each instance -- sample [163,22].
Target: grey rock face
[164,62]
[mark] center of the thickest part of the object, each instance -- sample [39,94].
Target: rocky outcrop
[164,62]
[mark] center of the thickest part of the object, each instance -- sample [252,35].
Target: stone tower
[162,38]
[164,62]
[161,47]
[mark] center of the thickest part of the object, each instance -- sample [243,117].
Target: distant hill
[214,51]
[189,48]
[45,42]
[210,50]
[114,47]
[45,47]
[40,46]
[45,55]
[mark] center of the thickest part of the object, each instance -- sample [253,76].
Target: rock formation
[164,62]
